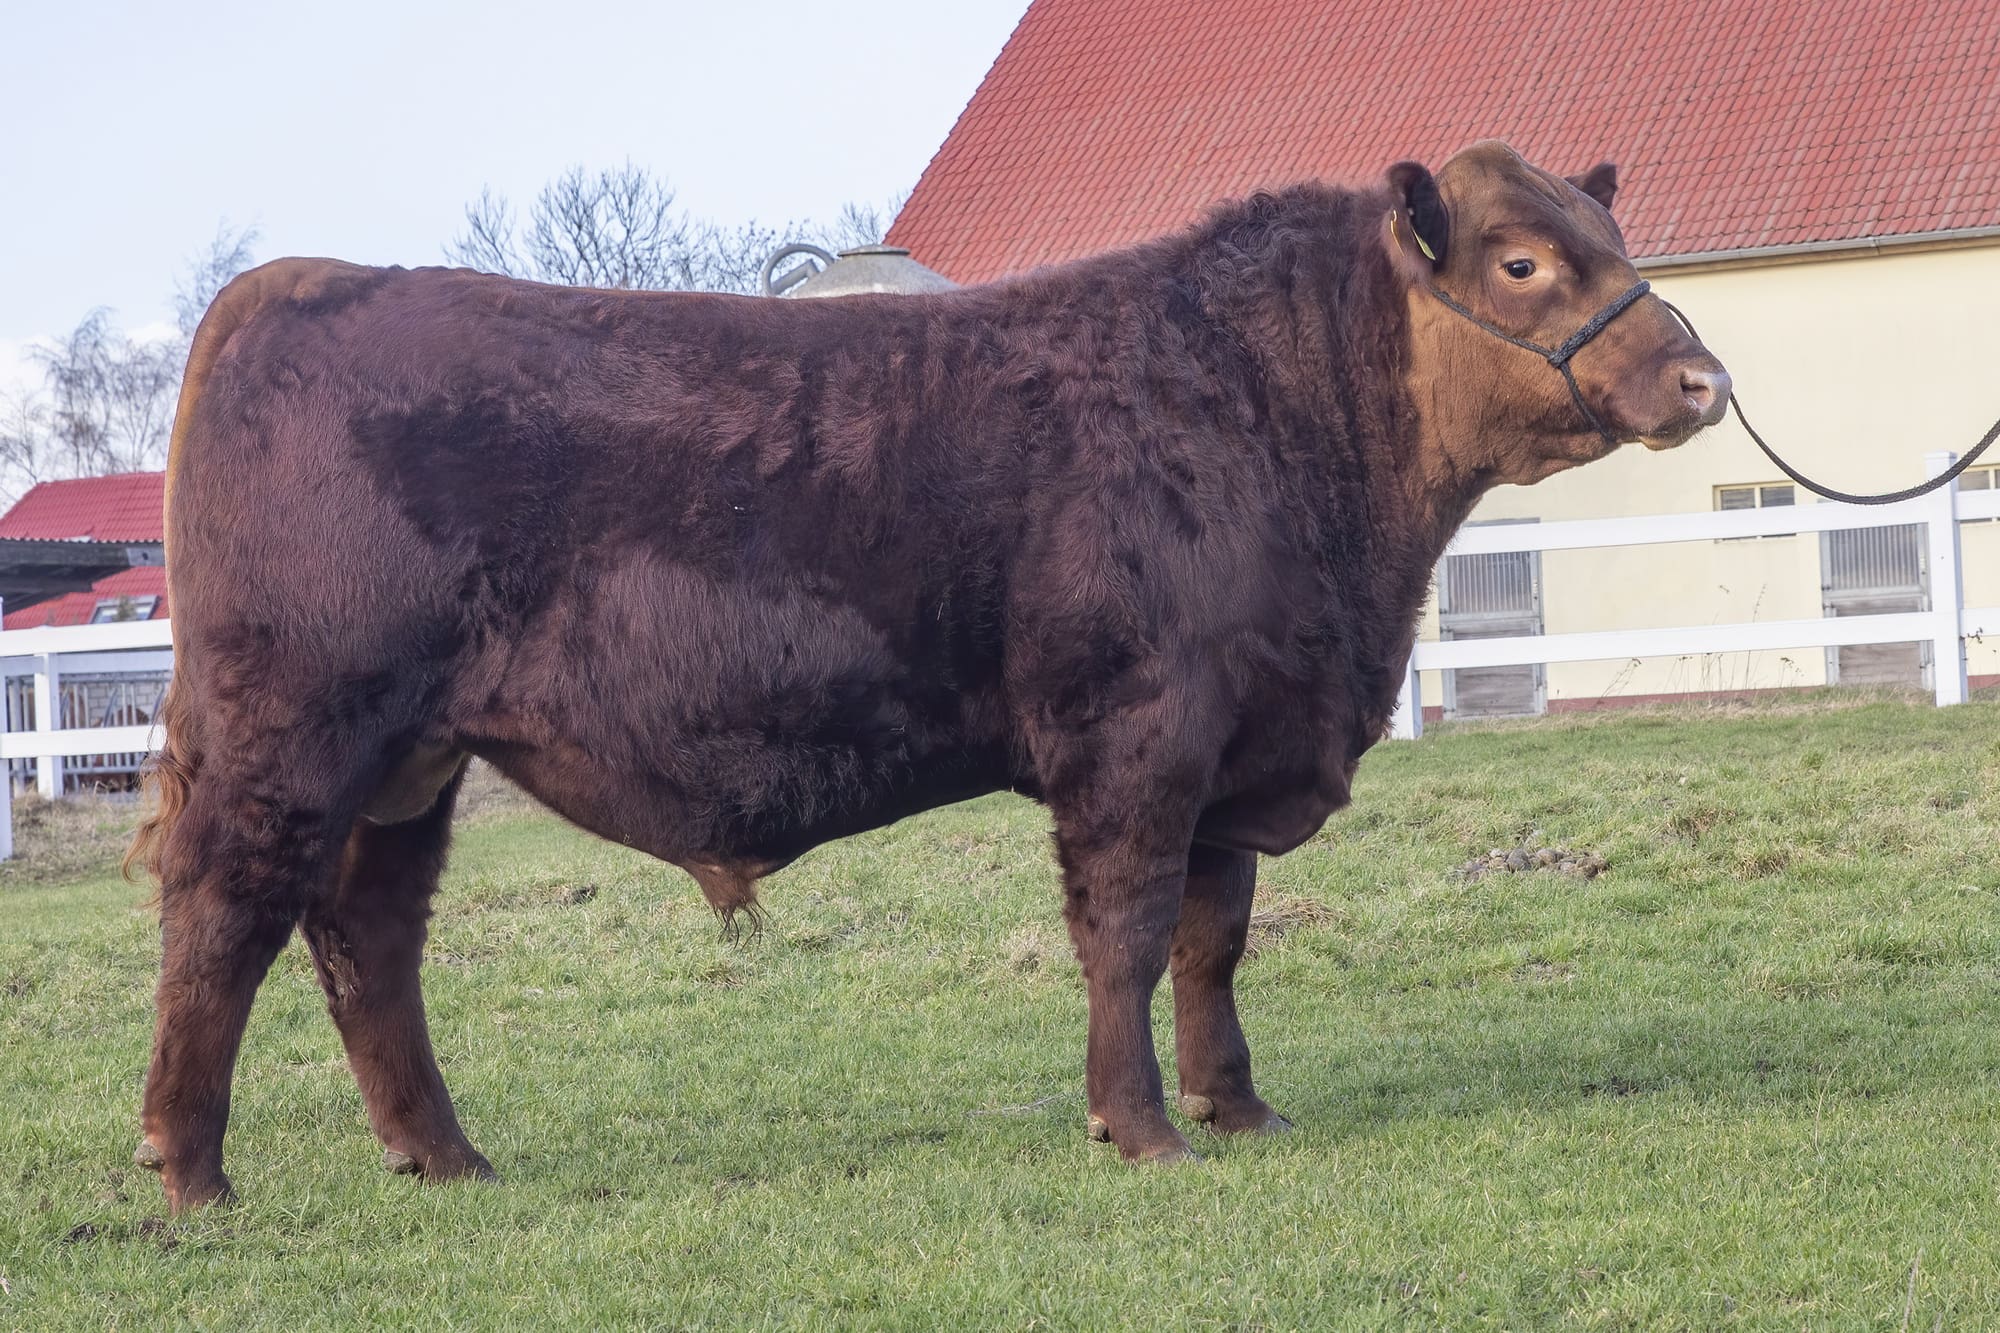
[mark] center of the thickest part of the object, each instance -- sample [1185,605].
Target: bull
[1143,537]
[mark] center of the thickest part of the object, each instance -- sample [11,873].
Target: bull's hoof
[443,1166]
[1164,1154]
[1255,1118]
[215,1191]
[1155,1145]
[183,1193]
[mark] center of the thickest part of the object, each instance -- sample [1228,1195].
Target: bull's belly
[748,804]
[710,721]
[739,821]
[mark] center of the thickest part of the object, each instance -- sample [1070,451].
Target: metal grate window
[1486,596]
[1868,559]
[1875,571]
[1502,583]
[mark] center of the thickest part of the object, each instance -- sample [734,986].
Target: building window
[1763,495]
[1979,479]
[123,608]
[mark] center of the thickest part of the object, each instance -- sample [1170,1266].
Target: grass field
[1747,1077]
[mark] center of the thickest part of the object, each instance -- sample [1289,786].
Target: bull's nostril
[1707,391]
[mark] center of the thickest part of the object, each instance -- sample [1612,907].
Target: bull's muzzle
[1706,391]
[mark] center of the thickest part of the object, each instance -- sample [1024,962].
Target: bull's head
[1498,254]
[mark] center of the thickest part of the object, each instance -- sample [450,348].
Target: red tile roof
[126,507]
[1734,124]
[76,608]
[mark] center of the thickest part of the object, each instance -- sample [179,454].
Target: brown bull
[1143,537]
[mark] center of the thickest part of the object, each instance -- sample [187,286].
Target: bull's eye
[1519,269]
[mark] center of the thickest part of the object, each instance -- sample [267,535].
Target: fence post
[48,706]
[1947,584]
[1407,723]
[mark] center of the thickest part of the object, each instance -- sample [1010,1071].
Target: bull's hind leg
[367,941]
[236,867]
[1213,1056]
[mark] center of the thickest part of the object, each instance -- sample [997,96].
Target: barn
[126,509]
[1820,192]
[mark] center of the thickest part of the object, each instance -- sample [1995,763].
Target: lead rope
[1892,497]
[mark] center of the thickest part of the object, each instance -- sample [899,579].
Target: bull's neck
[1327,327]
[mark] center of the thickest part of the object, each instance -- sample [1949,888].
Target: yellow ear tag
[1413,235]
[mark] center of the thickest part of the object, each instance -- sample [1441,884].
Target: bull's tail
[169,777]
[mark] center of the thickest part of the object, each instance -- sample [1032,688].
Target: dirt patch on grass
[1280,916]
[1615,1086]
[1037,947]
[1527,858]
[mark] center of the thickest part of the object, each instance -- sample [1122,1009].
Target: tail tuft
[169,776]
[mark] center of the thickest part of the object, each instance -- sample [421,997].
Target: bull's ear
[1600,183]
[1419,223]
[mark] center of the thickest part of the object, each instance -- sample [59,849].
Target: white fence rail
[1945,626]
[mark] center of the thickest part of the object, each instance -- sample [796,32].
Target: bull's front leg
[1122,898]
[1212,1054]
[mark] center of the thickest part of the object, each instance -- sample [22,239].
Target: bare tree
[230,252]
[110,397]
[617,228]
[487,243]
[106,402]
[620,228]
[857,225]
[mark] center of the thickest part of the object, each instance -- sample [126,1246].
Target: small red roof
[76,608]
[1734,124]
[124,507]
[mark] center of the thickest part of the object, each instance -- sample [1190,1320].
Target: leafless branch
[620,228]
[208,271]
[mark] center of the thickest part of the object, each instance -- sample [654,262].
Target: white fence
[46,654]
[1945,626]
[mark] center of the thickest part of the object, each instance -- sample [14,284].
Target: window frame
[1758,491]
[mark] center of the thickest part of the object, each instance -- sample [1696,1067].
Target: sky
[360,131]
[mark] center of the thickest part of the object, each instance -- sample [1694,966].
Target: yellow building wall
[1853,369]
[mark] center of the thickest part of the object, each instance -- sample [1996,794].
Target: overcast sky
[361,130]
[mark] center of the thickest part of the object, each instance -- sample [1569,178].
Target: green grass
[1745,1078]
